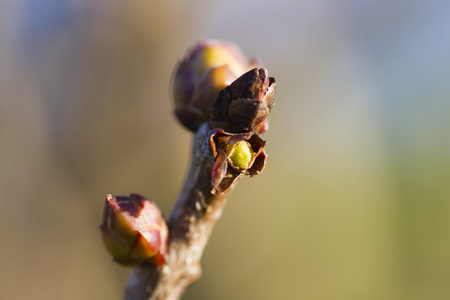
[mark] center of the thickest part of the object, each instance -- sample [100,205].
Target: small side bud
[207,68]
[134,231]
[235,154]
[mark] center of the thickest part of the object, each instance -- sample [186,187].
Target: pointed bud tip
[245,104]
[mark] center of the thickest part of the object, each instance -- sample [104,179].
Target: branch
[190,225]
[227,121]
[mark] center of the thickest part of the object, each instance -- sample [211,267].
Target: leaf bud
[208,67]
[133,230]
[244,105]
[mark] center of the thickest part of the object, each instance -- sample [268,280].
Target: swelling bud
[133,230]
[208,67]
[235,154]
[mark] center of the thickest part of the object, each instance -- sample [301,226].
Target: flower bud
[244,105]
[133,230]
[206,69]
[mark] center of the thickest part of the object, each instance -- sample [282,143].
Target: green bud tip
[240,154]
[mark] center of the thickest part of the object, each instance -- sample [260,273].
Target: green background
[353,203]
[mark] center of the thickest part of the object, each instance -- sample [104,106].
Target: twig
[190,224]
[225,147]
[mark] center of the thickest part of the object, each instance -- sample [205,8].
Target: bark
[190,226]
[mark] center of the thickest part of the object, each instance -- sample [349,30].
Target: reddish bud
[133,230]
[207,68]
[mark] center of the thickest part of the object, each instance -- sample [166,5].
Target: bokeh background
[353,204]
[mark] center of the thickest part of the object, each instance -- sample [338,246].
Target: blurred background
[353,204]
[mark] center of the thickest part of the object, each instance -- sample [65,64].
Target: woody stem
[190,226]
